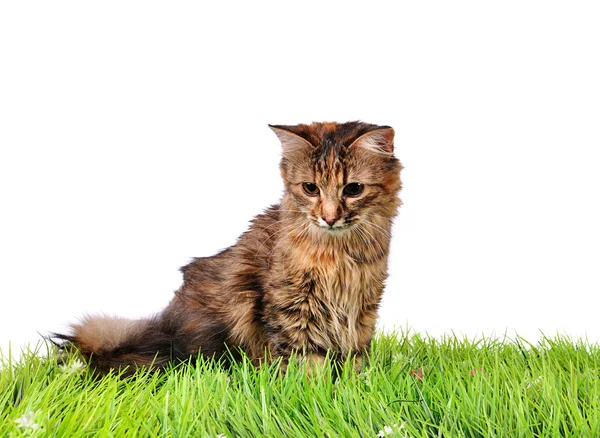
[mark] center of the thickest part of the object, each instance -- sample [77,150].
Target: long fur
[289,284]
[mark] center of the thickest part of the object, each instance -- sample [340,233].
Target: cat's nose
[330,220]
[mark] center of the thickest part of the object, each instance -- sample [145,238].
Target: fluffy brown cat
[307,277]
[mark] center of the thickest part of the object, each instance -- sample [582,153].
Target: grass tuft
[415,386]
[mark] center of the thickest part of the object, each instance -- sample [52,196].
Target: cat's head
[339,174]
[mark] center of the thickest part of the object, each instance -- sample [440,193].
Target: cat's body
[307,276]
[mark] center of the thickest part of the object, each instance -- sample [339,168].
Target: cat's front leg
[310,364]
[295,345]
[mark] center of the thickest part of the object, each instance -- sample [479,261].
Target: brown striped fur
[292,282]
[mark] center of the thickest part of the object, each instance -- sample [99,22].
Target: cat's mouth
[336,229]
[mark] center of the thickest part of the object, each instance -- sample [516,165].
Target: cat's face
[339,175]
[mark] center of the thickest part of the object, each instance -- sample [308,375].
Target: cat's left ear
[379,140]
[290,142]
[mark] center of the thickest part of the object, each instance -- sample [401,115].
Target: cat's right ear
[379,140]
[290,142]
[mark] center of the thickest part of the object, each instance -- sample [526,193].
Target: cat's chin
[337,231]
[332,231]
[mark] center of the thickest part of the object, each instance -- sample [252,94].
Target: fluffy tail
[119,343]
[123,344]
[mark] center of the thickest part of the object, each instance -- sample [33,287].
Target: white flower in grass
[537,383]
[399,358]
[27,421]
[221,435]
[75,367]
[390,430]
[534,383]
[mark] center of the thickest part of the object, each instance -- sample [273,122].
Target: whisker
[297,211]
[282,229]
[373,240]
[298,236]
[282,239]
[385,232]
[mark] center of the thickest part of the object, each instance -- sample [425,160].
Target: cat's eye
[310,189]
[353,189]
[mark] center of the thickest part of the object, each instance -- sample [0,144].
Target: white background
[134,136]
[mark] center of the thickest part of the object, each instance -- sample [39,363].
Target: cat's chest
[342,293]
[330,297]
[335,277]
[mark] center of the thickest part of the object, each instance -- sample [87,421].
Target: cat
[306,278]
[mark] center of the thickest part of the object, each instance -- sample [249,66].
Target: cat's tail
[108,342]
[178,334]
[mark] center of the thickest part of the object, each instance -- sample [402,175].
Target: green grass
[451,387]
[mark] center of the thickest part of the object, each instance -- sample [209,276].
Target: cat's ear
[290,142]
[379,140]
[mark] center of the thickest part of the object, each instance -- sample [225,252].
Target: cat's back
[244,263]
[256,244]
